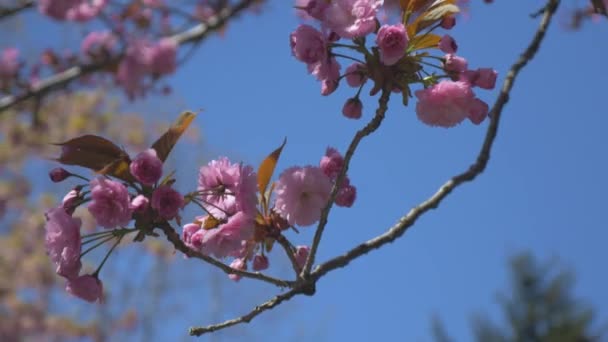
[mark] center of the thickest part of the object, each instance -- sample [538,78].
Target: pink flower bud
[139,204]
[86,287]
[447,44]
[238,264]
[260,262]
[346,196]
[455,63]
[331,163]
[355,75]
[486,78]
[448,22]
[69,200]
[146,167]
[59,174]
[478,111]
[301,254]
[167,201]
[392,41]
[352,108]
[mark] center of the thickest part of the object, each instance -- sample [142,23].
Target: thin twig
[198,331]
[6,12]
[177,242]
[61,79]
[371,127]
[433,202]
[474,170]
[289,251]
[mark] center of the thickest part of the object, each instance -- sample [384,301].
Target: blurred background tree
[541,307]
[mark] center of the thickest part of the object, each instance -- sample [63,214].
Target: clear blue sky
[544,189]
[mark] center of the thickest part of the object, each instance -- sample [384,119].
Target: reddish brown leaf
[96,153]
[165,143]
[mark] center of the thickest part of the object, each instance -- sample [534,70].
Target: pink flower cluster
[111,205]
[387,64]
[144,58]
[448,103]
[72,10]
[63,245]
[228,193]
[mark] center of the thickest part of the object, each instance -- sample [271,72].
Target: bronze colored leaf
[96,153]
[165,143]
[267,166]
[425,41]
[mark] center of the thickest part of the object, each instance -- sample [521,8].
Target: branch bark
[62,79]
[6,12]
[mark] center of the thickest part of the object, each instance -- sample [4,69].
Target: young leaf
[96,153]
[424,41]
[267,166]
[165,143]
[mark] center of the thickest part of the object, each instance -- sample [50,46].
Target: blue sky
[543,191]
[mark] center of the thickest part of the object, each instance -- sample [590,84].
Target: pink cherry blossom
[478,111]
[226,239]
[260,262]
[353,108]
[301,193]
[74,10]
[311,8]
[331,163]
[352,18]
[229,187]
[238,264]
[86,287]
[455,63]
[62,241]
[308,44]
[187,236]
[110,203]
[392,40]
[301,254]
[166,201]
[163,57]
[98,43]
[139,204]
[486,78]
[355,75]
[447,44]
[69,201]
[134,67]
[9,63]
[445,104]
[146,167]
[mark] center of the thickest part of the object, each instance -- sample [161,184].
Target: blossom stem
[347,57]
[97,245]
[108,255]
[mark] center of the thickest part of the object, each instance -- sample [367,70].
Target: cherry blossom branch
[179,245]
[194,34]
[303,285]
[469,175]
[371,127]
[6,12]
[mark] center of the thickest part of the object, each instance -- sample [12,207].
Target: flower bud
[448,22]
[352,108]
[59,174]
[260,262]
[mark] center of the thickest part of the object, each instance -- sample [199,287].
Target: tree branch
[198,331]
[474,170]
[177,242]
[6,12]
[408,220]
[62,79]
